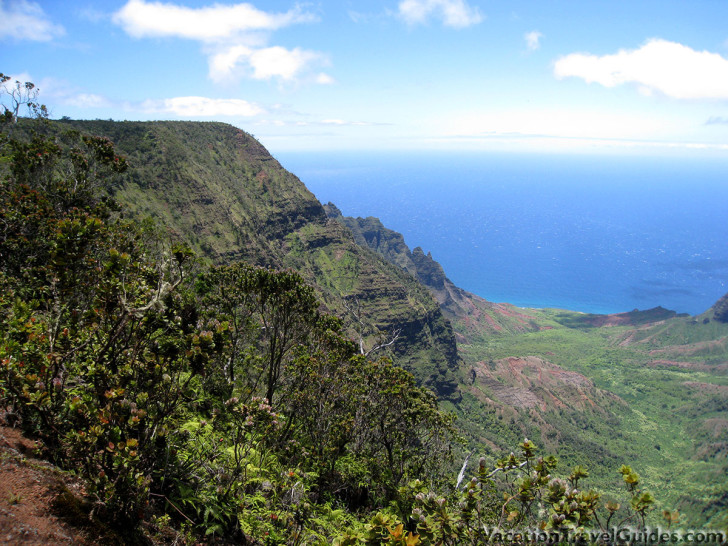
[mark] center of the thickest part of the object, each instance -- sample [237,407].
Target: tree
[272,310]
[401,432]
[92,360]
[16,95]
[363,331]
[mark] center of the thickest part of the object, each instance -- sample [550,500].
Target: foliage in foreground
[222,396]
[220,401]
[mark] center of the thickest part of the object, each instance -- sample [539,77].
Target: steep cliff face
[370,232]
[471,314]
[720,309]
[218,188]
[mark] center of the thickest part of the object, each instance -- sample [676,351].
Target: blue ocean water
[598,234]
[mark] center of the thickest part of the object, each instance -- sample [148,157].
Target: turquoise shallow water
[594,234]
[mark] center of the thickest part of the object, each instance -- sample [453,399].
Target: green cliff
[471,314]
[218,188]
[720,309]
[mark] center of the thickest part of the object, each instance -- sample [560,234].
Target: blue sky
[637,77]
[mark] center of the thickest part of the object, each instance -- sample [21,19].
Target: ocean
[599,234]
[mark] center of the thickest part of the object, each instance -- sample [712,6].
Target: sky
[617,76]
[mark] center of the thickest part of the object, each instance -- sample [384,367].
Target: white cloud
[278,61]
[264,63]
[454,13]
[234,37]
[666,67]
[156,19]
[202,107]
[223,64]
[23,20]
[86,100]
[533,40]
[324,79]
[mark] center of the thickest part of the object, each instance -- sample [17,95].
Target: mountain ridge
[217,187]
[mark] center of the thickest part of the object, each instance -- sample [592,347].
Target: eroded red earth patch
[28,488]
[532,382]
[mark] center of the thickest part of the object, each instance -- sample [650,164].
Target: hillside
[215,186]
[197,402]
[720,310]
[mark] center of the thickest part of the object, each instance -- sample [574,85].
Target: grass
[14,498]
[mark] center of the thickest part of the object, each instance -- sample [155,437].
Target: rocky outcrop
[532,382]
[720,309]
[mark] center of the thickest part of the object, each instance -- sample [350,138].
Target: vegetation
[216,188]
[221,401]
[651,393]
[220,395]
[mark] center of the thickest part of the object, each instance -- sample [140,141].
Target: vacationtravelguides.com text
[624,535]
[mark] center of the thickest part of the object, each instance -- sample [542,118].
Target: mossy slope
[218,188]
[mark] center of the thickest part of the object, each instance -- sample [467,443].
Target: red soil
[28,489]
